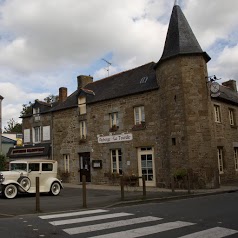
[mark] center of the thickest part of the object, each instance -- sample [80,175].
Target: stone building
[161,120]
[36,133]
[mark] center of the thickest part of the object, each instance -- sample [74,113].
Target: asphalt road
[68,199]
[211,216]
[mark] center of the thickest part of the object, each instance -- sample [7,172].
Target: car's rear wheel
[24,182]
[10,191]
[55,189]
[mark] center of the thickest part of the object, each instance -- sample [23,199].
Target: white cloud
[45,44]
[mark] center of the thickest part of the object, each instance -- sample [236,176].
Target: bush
[180,174]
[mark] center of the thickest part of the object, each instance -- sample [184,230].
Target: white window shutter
[26,135]
[46,132]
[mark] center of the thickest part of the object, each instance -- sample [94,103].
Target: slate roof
[180,38]
[115,86]
[6,140]
[44,107]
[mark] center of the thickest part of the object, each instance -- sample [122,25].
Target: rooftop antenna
[108,65]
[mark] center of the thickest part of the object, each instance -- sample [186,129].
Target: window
[18,166]
[83,130]
[47,167]
[139,115]
[220,160]
[36,110]
[36,114]
[217,113]
[34,167]
[231,117]
[66,163]
[144,80]
[82,105]
[36,134]
[236,158]
[116,161]
[113,119]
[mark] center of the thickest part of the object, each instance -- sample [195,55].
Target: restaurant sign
[114,138]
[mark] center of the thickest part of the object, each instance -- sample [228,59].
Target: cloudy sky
[45,44]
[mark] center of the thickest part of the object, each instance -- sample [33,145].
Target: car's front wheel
[10,191]
[55,189]
[25,183]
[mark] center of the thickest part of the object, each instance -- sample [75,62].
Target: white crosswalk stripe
[93,218]
[125,220]
[144,231]
[109,225]
[73,214]
[216,232]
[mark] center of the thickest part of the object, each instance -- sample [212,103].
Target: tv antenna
[108,65]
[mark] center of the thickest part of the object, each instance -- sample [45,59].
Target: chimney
[230,84]
[84,80]
[62,94]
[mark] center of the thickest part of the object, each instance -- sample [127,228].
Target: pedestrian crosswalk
[91,222]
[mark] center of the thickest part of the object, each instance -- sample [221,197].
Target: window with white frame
[139,115]
[116,161]
[36,134]
[220,160]
[236,158]
[36,110]
[217,113]
[82,105]
[113,119]
[66,163]
[83,129]
[36,114]
[231,117]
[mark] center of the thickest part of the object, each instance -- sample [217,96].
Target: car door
[34,171]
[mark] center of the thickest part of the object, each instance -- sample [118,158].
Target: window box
[140,126]
[114,128]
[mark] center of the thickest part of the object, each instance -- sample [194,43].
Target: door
[146,165]
[84,166]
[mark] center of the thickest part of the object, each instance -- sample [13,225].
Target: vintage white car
[22,174]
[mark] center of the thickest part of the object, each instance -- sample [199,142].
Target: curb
[171,198]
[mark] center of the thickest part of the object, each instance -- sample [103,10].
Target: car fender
[51,180]
[5,183]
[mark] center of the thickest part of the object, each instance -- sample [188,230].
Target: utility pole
[1,98]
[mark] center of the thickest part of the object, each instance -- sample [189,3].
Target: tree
[2,162]
[26,109]
[13,126]
[51,98]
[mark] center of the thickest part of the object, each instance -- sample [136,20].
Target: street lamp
[1,98]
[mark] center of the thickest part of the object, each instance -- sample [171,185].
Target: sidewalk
[109,196]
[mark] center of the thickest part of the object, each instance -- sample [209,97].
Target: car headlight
[1,178]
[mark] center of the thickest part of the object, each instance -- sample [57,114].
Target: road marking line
[109,225]
[144,231]
[72,214]
[85,219]
[216,232]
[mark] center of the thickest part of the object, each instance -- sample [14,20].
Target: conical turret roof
[180,38]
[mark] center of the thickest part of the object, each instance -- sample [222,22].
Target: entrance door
[84,166]
[146,165]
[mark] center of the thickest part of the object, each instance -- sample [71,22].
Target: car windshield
[18,166]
